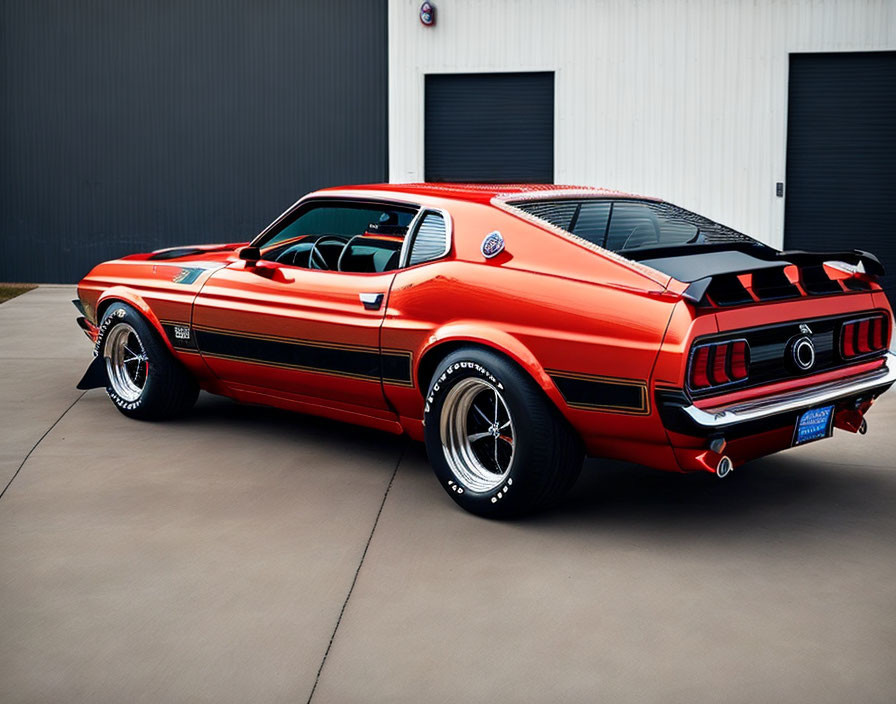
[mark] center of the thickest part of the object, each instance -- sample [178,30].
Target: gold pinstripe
[644,410]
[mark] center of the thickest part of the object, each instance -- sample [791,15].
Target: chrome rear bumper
[721,417]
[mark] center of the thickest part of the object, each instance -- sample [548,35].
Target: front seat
[366,254]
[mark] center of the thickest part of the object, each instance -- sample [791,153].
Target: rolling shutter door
[491,127]
[841,155]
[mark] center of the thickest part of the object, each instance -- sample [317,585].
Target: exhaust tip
[718,445]
[724,468]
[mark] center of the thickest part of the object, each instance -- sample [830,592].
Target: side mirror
[249,254]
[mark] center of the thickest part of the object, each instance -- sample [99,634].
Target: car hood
[194,252]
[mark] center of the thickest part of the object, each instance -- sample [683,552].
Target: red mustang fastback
[514,329]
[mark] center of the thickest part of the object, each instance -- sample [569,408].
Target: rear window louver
[557,213]
[431,239]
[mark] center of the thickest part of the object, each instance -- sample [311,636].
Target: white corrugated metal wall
[682,99]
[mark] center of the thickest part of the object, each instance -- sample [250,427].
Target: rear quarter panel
[558,309]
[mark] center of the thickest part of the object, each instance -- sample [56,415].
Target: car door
[279,325]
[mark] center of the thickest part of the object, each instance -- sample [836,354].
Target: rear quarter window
[430,240]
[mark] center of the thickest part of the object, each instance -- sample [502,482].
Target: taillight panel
[864,336]
[765,354]
[719,364]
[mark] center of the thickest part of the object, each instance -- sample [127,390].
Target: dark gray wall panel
[841,154]
[490,127]
[128,125]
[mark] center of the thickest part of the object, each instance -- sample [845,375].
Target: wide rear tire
[497,444]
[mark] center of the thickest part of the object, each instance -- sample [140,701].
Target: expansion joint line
[358,570]
[39,441]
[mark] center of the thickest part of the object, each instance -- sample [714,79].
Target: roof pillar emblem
[492,245]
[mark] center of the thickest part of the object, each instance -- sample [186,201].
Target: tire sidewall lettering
[112,318]
[115,316]
[457,366]
[121,403]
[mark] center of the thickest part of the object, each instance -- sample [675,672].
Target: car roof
[487,192]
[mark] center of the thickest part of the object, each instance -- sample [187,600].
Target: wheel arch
[123,294]
[451,338]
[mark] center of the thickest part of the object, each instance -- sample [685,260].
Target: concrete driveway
[248,555]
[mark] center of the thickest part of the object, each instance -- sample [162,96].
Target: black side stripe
[366,363]
[600,393]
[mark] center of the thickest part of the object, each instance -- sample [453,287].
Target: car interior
[376,249]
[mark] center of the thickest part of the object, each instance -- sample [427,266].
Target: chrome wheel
[478,437]
[126,362]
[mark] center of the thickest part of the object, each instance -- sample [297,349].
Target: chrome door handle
[371,301]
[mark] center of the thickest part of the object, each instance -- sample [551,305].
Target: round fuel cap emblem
[803,352]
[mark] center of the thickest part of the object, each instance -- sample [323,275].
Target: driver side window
[357,237]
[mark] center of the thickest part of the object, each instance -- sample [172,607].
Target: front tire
[496,443]
[144,380]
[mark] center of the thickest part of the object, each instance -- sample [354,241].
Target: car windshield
[342,220]
[630,225]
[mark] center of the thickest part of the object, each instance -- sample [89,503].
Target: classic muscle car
[513,329]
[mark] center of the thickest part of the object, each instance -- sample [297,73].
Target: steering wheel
[316,259]
[294,254]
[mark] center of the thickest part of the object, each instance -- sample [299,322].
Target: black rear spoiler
[716,274]
[857,257]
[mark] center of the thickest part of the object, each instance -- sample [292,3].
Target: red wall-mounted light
[428,14]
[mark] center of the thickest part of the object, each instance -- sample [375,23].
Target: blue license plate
[814,424]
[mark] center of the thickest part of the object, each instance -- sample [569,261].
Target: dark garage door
[490,127]
[841,155]
[128,125]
